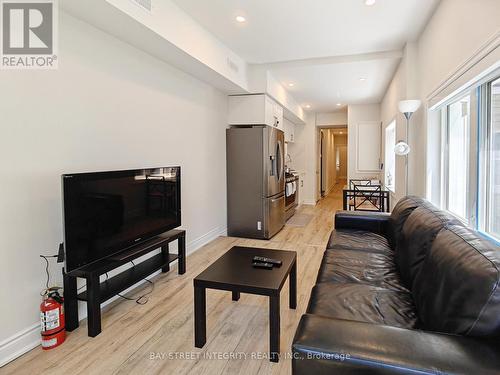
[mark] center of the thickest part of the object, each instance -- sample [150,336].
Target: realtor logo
[28,34]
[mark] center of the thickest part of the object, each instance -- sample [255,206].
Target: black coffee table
[233,271]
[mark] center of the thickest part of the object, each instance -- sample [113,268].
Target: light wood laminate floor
[163,328]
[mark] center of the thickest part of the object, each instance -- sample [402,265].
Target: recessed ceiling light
[308,106]
[240,19]
[291,84]
[370,2]
[341,133]
[362,79]
[339,104]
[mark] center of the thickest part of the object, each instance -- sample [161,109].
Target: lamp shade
[409,106]
[402,148]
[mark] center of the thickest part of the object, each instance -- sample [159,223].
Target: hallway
[333,157]
[333,201]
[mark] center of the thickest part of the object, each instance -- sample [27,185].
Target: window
[470,155]
[457,158]
[492,164]
[390,156]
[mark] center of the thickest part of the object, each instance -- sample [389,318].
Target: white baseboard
[29,338]
[20,343]
[194,245]
[309,202]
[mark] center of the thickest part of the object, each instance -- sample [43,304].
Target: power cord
[143,299]
[47,287]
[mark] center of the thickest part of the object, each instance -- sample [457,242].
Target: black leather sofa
[411,292]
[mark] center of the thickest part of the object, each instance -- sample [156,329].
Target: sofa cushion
[325,346]
[363,240]
[416,238]
[457,290]
[363,303]
[351,266]
[376,222]
[399,214]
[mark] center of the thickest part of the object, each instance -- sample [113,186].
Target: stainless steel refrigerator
[255,181]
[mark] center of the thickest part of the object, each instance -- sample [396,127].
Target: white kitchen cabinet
[289,128]
[277,115]
[255,110]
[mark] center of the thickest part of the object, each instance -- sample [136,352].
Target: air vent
[145,4]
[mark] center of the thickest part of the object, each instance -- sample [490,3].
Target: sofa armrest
[377,222]
[329,346]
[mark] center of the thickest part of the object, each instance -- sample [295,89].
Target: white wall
[292,110]
[174,25]
[456,33]
[331,118]
[404,85]
[356,114]
[303,153]
[389,112]
[109,106]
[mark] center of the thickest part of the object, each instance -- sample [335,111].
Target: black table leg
[93,305]
[293,286]
[236,296]
[200,312]
[182,254]
[165,254]
[70,302]
[274,327]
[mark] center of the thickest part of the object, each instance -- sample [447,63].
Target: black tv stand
[97,292]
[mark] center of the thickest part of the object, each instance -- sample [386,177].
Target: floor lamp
[402,148]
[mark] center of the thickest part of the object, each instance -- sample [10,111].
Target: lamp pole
[408,116]
[407,107]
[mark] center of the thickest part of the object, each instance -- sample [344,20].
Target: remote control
[267,266]
[274,262]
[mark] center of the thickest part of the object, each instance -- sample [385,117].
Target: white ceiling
[323,86]
[285,30]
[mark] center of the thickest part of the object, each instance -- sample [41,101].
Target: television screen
[108,212]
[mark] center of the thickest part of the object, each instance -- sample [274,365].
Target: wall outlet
[259,225]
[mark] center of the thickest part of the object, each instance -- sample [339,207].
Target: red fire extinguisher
[52,319]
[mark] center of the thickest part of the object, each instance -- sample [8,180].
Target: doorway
[322,164]
[332,158]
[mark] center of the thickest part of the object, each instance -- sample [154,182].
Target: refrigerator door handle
[280,159]
[278,198]
[273,165]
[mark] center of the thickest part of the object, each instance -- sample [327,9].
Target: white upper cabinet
[277,115]
[255,110]
[289,131]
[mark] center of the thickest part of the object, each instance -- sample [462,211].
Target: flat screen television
[108,212]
